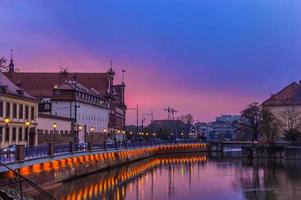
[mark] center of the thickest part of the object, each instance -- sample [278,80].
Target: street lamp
[92,132]
[27,124]
[6,121]
[54,126]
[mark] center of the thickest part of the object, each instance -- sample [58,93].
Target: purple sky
[201,57]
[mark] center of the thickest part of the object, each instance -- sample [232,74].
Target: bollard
[90,146]
[51,149]
[71,147]
[105,146]
[20,152]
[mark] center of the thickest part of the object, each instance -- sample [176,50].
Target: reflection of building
[18,114]
[285,102]
[45,129]
[222,128]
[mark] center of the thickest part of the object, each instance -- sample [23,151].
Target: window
[7,134]
[20,111]
[61,132]
[32,113]
[1,109]
[8,110]
[57,92]
[26,134]
[15,111]
[46,132]
[66,132]
[20,134]
[26,112]
[1,133]
[14,134]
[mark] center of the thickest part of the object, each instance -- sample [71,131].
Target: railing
[42,151]
[14,189]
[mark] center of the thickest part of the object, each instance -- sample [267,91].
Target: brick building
[41,85]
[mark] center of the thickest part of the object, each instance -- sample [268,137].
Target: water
[191,177]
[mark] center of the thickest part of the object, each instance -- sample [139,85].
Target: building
[222,128]
[167,129]
[18,114]
[199,130]
[41,84]
[286,103]
[47,125]
[86,107]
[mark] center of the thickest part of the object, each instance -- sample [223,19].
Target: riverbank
[80,165]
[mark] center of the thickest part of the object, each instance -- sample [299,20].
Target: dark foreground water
[189,177]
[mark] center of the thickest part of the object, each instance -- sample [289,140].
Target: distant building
[199,130]
[167,129]
[285,102]
[18,115]
[222,128]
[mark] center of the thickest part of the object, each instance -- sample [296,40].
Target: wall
[47,173]
[23,134]
[45,130]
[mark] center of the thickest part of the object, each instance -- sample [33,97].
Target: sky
[205,57]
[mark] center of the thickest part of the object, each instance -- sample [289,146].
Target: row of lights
[7,121]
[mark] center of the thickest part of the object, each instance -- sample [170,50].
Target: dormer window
[57,92]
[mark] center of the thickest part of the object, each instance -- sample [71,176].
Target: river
[189,177]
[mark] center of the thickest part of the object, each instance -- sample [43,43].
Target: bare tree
[293,124]
[269,126]
[250,122]
[186,119]
[2,64]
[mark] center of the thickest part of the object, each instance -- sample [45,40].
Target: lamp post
[27,124]
[54,126]
[80,128]
[92,132]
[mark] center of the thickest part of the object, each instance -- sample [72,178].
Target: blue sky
[203,57]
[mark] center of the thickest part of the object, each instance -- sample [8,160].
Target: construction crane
[170,113]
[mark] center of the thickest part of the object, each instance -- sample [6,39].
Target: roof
[290,95]
[41,84]
[12,89]
[47,116]
[70,85]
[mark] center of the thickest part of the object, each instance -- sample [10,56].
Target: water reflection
[189,176]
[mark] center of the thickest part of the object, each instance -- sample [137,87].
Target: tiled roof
[290,95]
[41,84]
[11,88]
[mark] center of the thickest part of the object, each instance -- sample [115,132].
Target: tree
[186,119]
[2,64]
[269,126]
[250,122]
[293,125]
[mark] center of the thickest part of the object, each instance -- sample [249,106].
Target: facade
[88,110]
[199,130]
[222,128]
[18,115]
[45,129]
[285,103]
[41,84]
